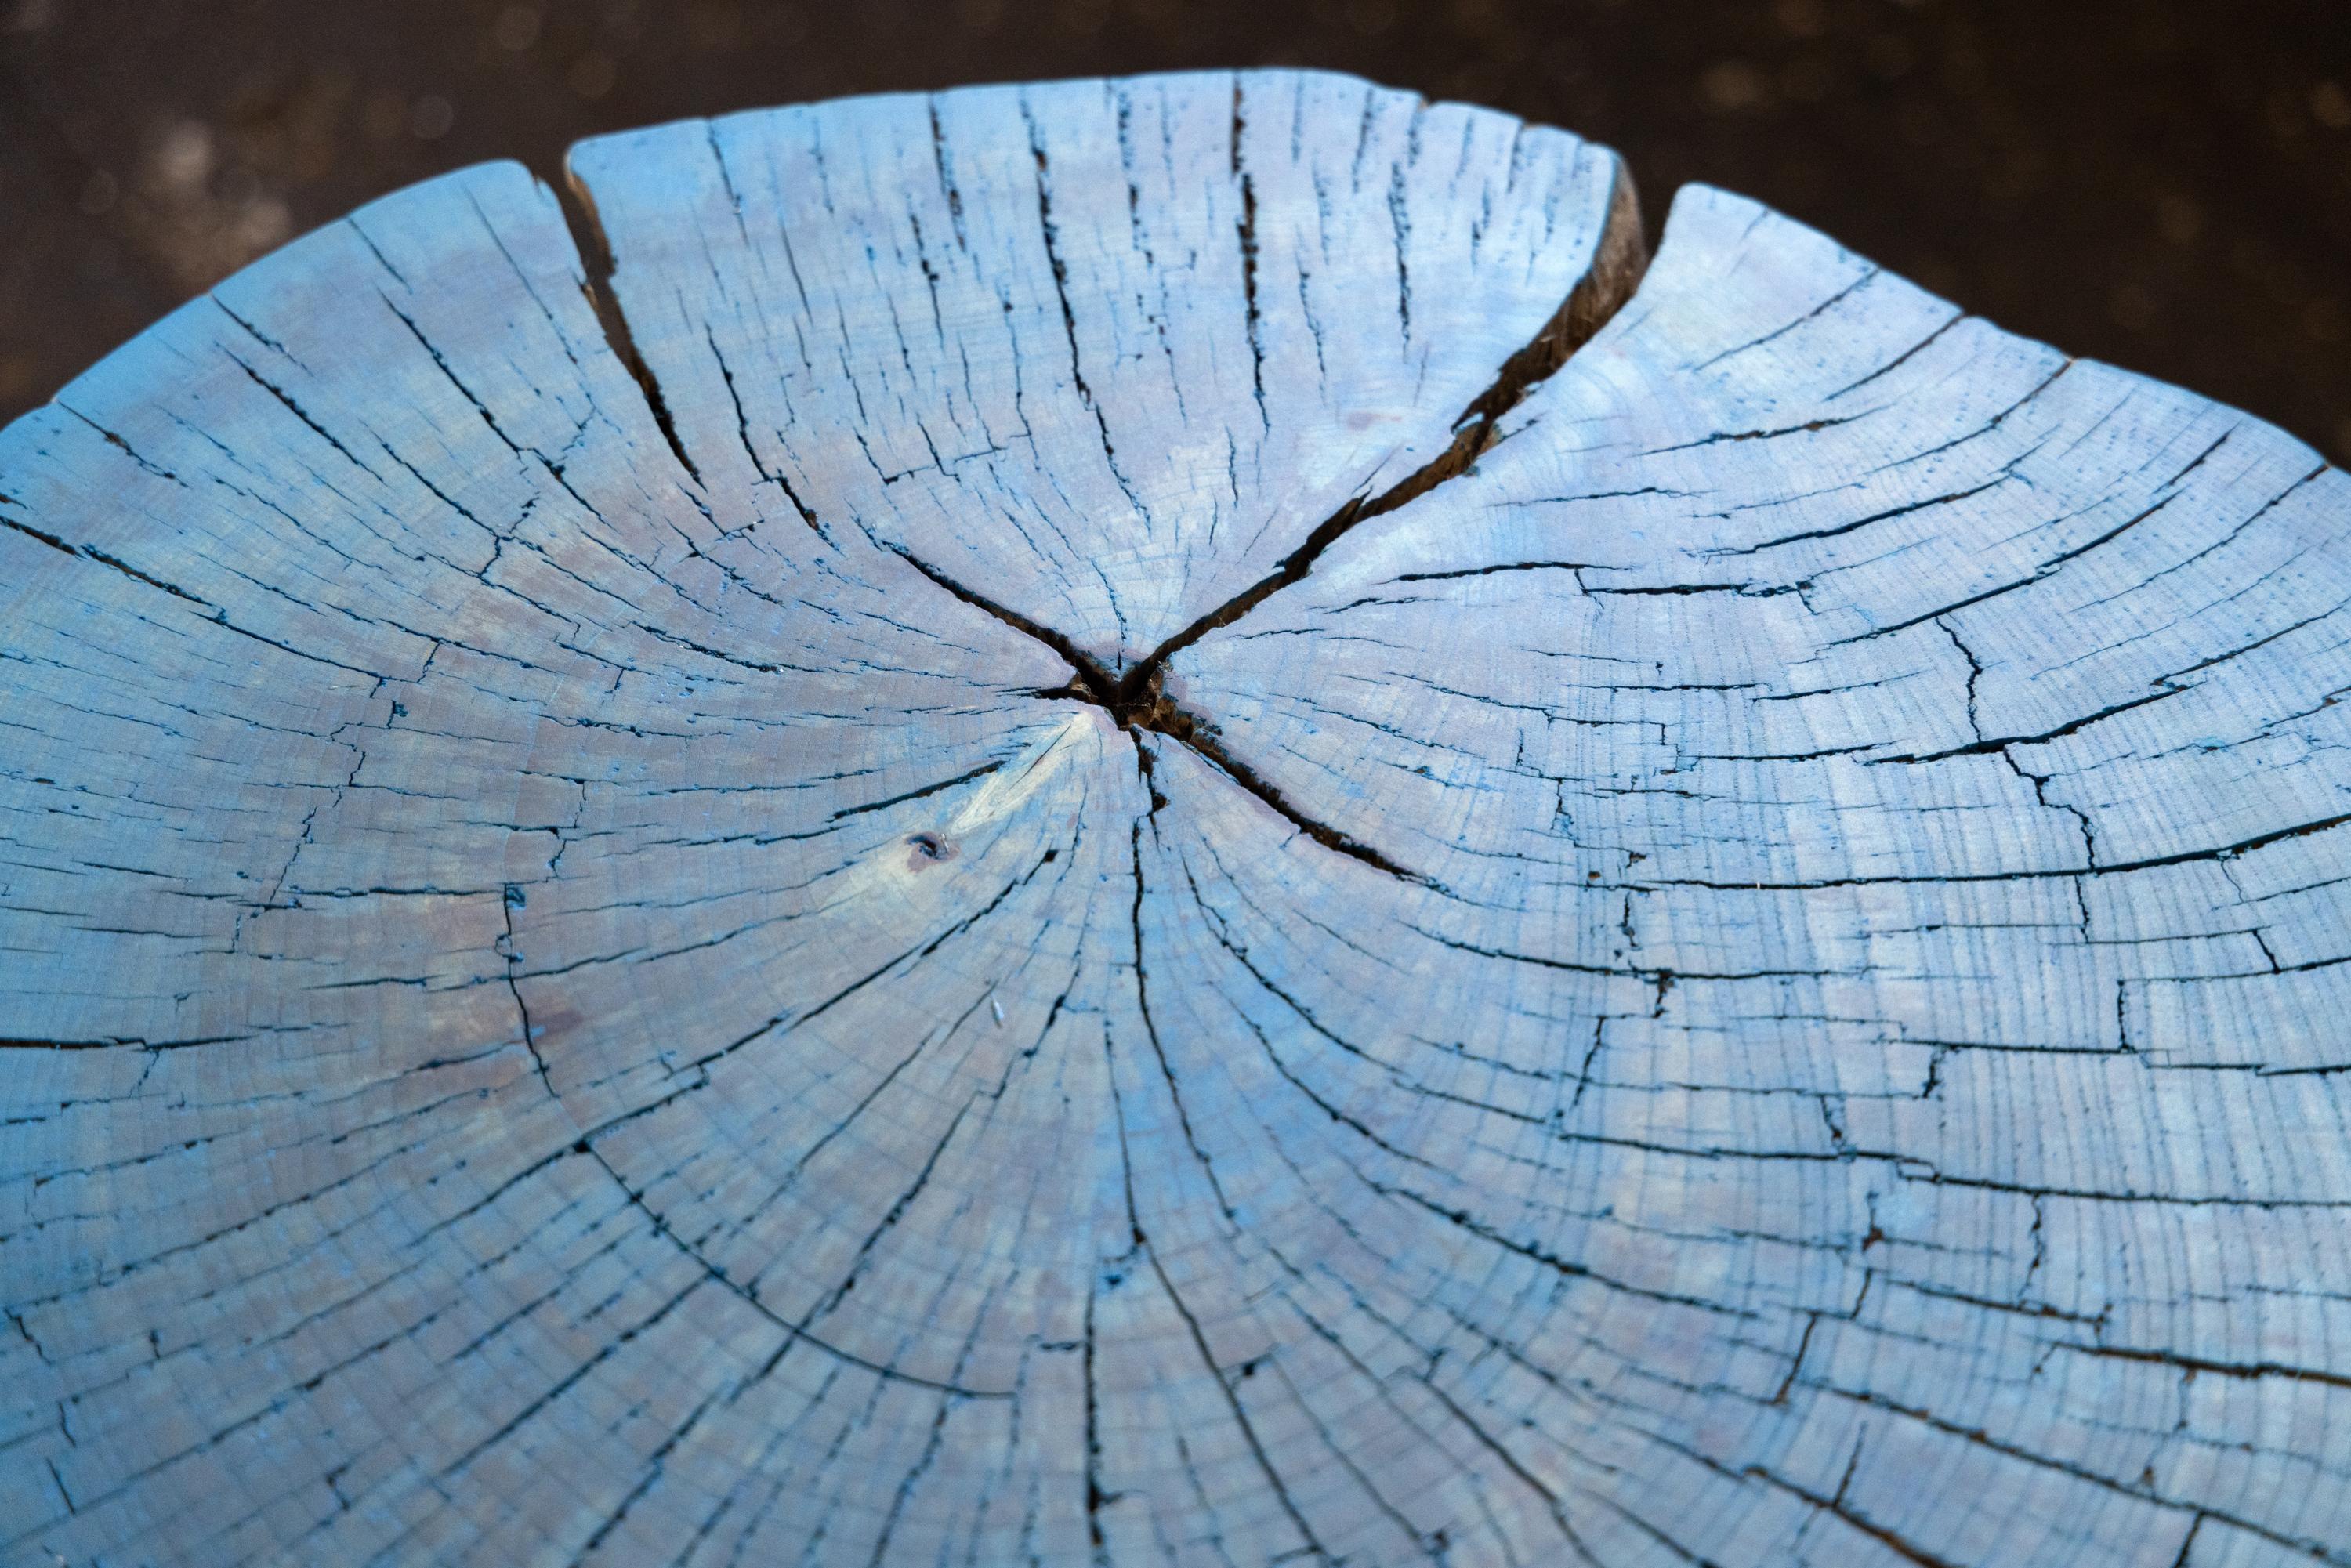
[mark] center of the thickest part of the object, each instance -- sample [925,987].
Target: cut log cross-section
[1157,822]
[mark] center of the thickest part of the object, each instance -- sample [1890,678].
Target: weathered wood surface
[1027,921]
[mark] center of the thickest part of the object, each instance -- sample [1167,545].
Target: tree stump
[1146,822]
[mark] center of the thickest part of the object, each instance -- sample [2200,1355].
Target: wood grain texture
[1133,825]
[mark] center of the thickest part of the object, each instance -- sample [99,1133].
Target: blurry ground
[2161,184]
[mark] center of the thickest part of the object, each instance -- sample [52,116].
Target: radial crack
[579,205]
[1137,701]
[1617,265]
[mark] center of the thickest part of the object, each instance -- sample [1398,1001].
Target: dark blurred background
[2161,184]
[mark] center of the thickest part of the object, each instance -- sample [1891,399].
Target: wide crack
[578,205]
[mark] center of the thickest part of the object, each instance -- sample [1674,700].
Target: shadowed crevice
[1145,706]
[1164,717]
[1094,684]
[595,248]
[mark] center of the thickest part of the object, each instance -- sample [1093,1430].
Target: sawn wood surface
[1150,823]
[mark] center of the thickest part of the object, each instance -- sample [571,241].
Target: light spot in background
[385,116]
[2179,219]
[183,157]
[1804,18]
[1889,55]
[430,118]
[1729,86]
[198,212]
[710,27]
[593,74]
[2131,307]
[517,28]
[1807,79]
